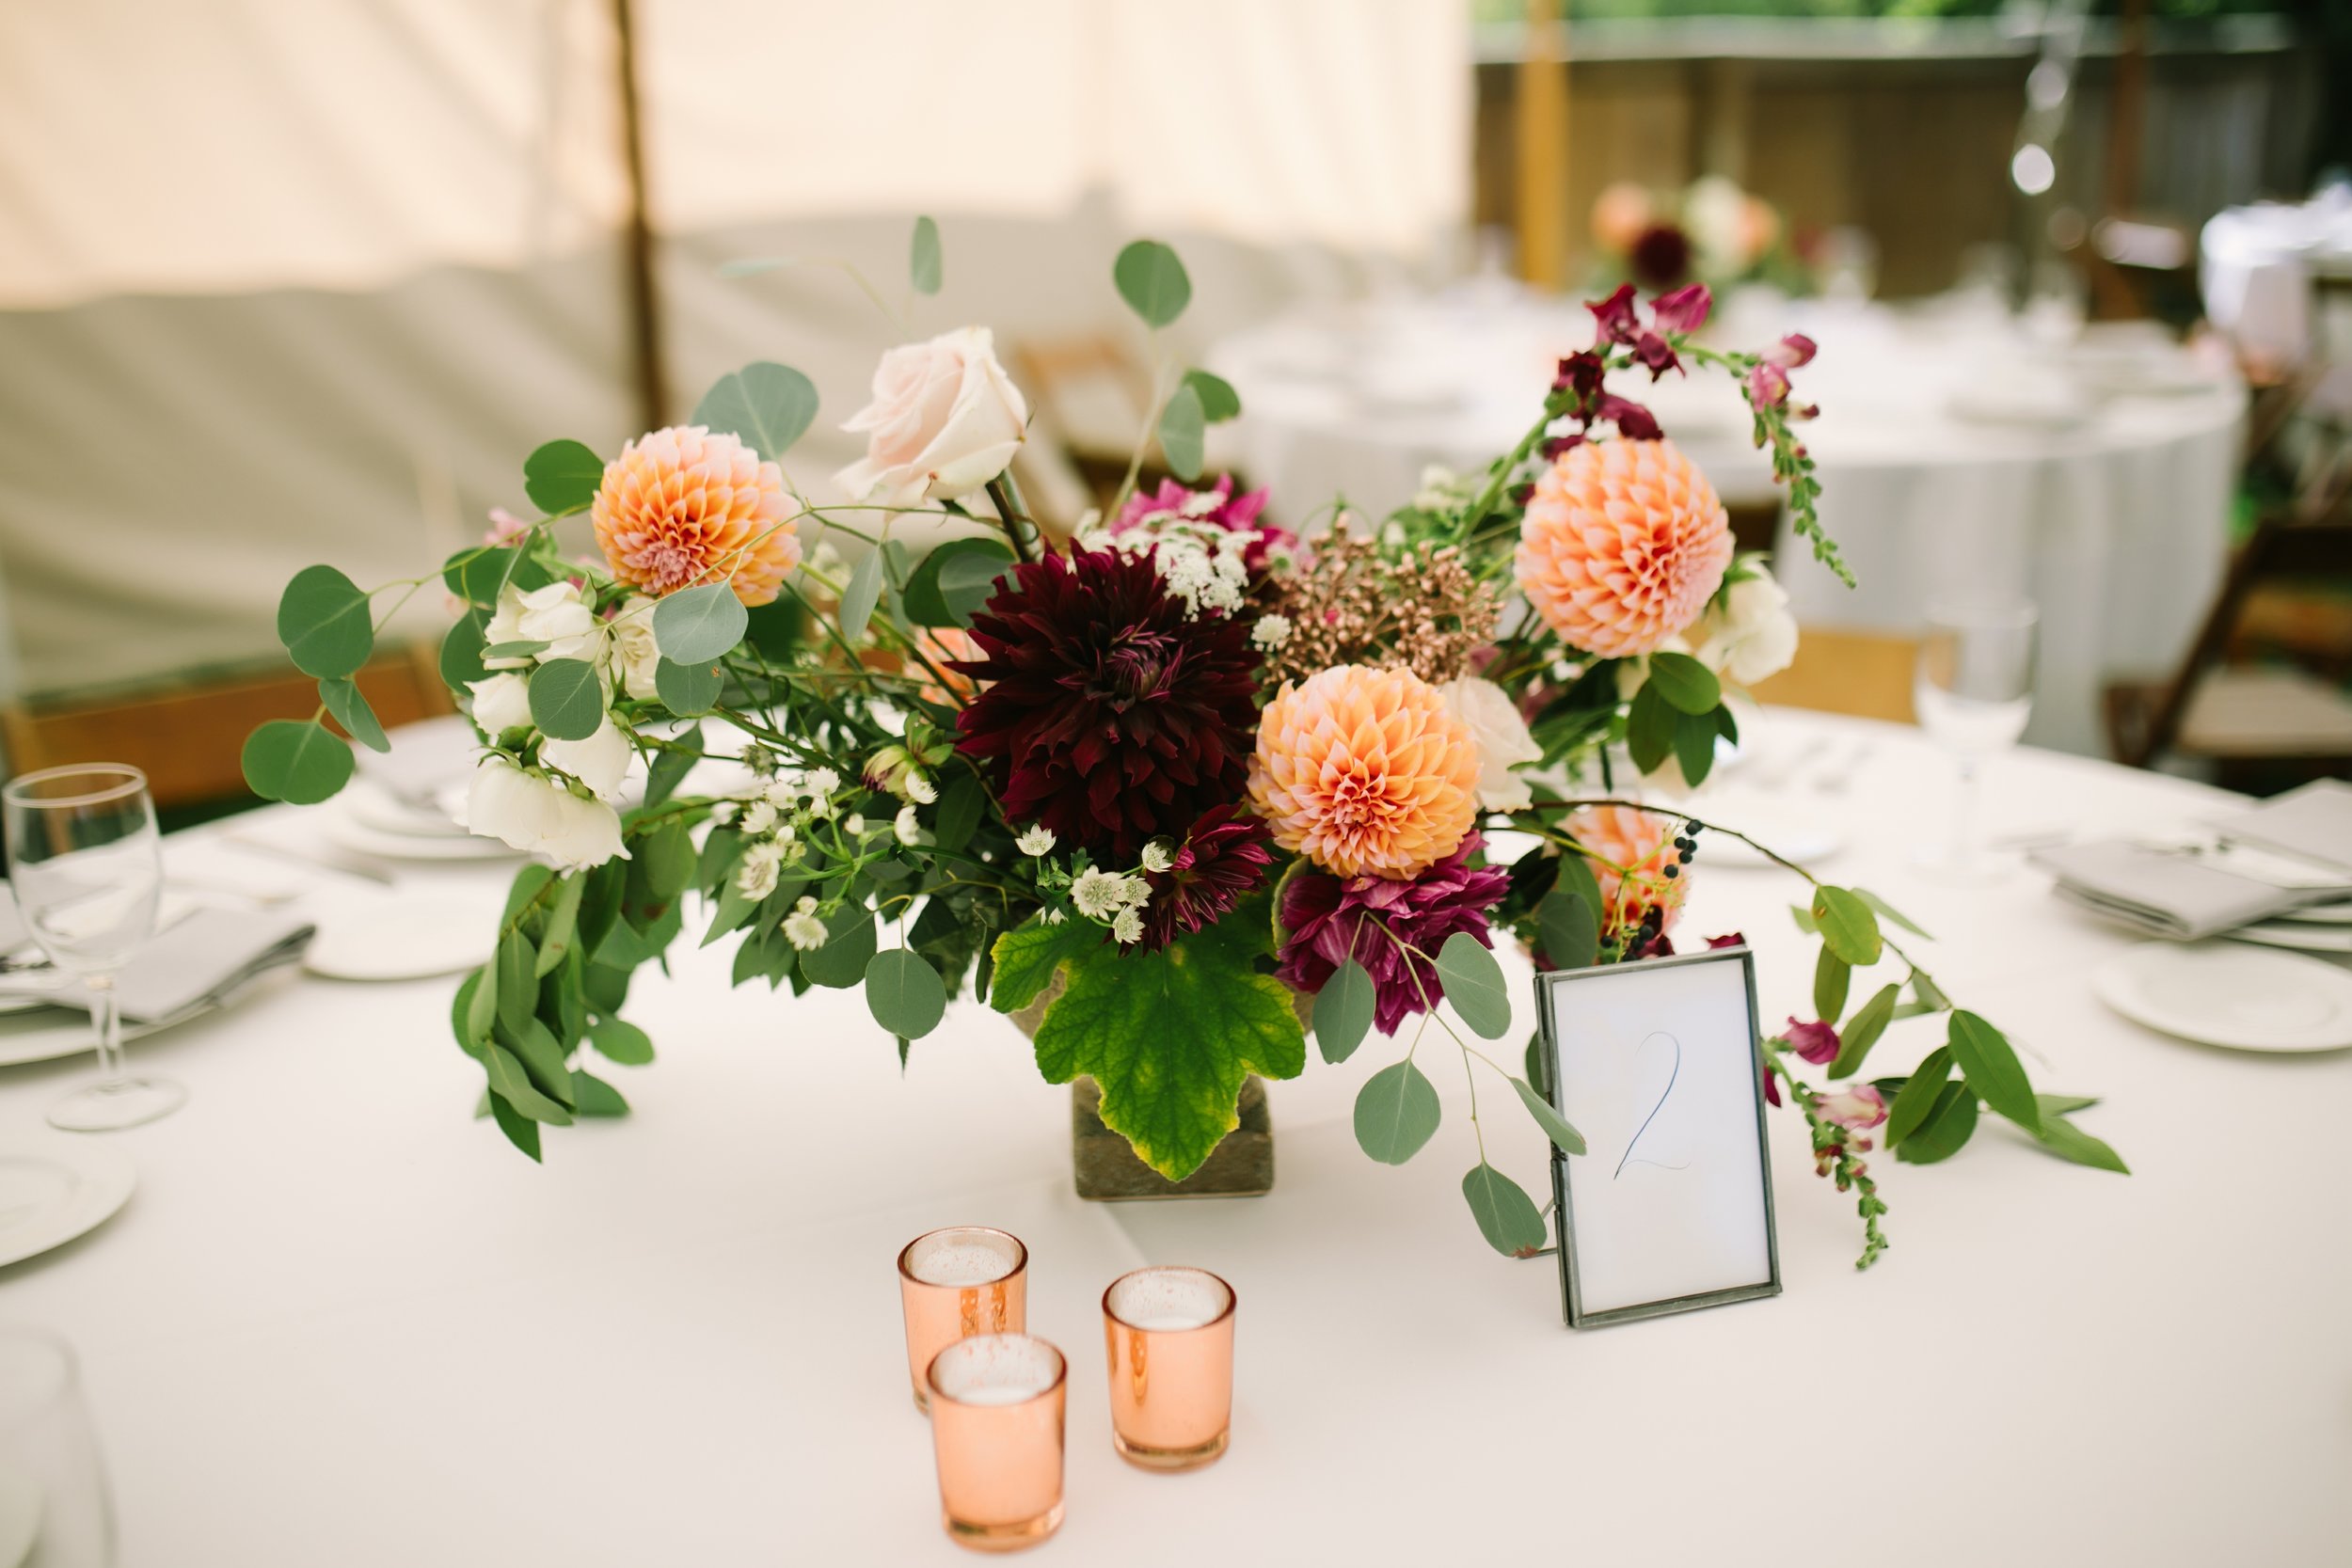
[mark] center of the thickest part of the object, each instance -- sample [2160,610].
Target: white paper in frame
[1657,1063]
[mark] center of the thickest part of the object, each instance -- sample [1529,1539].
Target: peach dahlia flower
[687,505]
[1622,544]
[1640,842]
[1365,772]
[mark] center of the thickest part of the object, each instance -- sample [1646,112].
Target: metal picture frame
[1549,986]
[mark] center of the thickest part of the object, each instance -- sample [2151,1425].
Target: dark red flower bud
[1617,322]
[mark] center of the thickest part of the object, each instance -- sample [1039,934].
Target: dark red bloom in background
[1662,256]
[1224,858]
[1109,716]
[1323,916]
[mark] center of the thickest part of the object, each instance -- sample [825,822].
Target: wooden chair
[188,736]
[1867,674]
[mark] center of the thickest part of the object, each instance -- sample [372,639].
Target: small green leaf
[2064,1105]
[904,994]
[518,996]
[770,406]
[1917,1096]
[1507,1216]
[2067,1141]
[555,940]
[933,599]
[324,621]
[850,944]
[1803,917]
[1344,1009]
[349,704]
[1650,729]
[1181,434]
[699,625]
[1848,925]
[478,574]
[687,689]
[1218,401]
[1576,876]
[1992,1069]
[1688,684]
[593,1096]
[1863,1031]
[1926,990]
[665,857]
[1565,1138]
[1890,911]
[1831,975]
[481,1004]
[1474,982]
[542,1058]
[863,592]
[295,760]
[1396,1112]
[1695,748]
[1949,1125]
[568,699]
[621,1041]
[520,1130]
[1152,282]
[527,648]
[528,882]
[1565,926]
[925,268]
[562,476]
[461,652]
[510,1083]
[960,807]
[672,763]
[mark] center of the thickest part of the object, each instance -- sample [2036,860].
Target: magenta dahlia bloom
[1215,507]
[1224,858]
[1107,715]
[1322,917]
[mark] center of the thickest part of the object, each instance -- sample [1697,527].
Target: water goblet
[1973,690]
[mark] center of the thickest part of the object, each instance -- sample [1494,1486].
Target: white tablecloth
[1956,455]
[2255,266]
[341,1322]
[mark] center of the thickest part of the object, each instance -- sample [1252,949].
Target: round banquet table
[342,1323]
[1960,452]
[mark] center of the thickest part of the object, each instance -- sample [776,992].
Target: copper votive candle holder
[954,1283]
[997,1402]
[1169,1333]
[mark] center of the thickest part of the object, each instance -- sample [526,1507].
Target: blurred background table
[1961,450]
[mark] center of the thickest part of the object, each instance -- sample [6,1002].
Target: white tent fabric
[291,280]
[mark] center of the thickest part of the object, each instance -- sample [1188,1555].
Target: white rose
[1501,735]
[1752,635]
[555,616]
[601,762]
[540,817]
[945,420]
[501,703]
[632,654]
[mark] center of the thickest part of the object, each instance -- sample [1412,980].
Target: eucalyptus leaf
[1396,1113]
[687,689]
[671,763]
[1567,1139]
[850,943]
[1507,1216]
[862,593]
[325,622]
[349,704]
[666,859]
[961,806]
[562,476]
[1344,1010]
[295,760]
[935,598]
[461,652]
[1992,1069]
[1474,982]
[925,268]
[1218,401]
[770,406]
[1152,282]
[1691,686]
[904,994]
[568,699]
[699,625]
[1182,425]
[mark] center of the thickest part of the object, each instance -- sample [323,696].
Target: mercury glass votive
[954,1283]
[1169,1333]
[998,1404]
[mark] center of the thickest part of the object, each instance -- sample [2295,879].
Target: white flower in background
[945,420]
[920,789]
[1100,894]
[1055,917]
[1156,857]
[1714,211]
[855,826]
[601,762]
[1127,925]
[759,817]
[1037,839]
[904,826]
[501,703]
[820,782]
[1751,634]
[757,873]
[802,929]
[556,615]
[1271,631]
[1503,742]
[783,793]
[540,817]
[629,650]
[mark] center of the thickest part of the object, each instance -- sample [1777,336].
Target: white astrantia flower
[784,794]
[802,929]
[757,873]
[758,816]
[920,789]
[1037,839]
[784,833]
[1271,631]
[1128,926]
[855,826]
[821,780]
[1156,857]
[1100,894]
[904,826]
[1055,917]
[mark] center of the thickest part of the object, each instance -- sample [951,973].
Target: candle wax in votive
[1162,1325]
[1002,1394]
[963,1265]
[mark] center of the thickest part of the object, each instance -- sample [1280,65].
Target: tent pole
[645,304]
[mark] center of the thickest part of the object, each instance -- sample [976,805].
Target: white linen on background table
[2118,526]
[343,1323]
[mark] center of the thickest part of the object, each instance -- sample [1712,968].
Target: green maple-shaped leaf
[1171,1035]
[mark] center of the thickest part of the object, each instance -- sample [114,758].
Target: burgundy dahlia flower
[1324,917]
[1224,858]
[1107,715]
[1214,507]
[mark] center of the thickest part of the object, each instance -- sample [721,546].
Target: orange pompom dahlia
[687,505]
[1365,772]
[1624,543]
[1642,843]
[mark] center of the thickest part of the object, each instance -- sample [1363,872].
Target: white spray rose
[945,420]
[540,817]
[1503,743]
[1751,635]
[556,615]
[501,703]
[630,650]
[601,762]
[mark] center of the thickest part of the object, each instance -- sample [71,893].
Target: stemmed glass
[53,1508]
[86,868]
[1974,693]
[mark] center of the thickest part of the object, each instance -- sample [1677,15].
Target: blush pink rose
[945,420]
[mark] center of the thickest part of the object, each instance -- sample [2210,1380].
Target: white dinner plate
[2227,993]
[348,832]
[372,807]
[45,1034]
[2318,914]
[405,938]
[55,1190]
[2302,939]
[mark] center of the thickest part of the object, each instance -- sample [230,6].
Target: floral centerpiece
[1167,775]
[1710,231]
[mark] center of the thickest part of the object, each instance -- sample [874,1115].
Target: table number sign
[1671,1206]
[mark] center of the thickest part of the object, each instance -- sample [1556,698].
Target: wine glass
[85,869]
[1974,693]
[53,1508]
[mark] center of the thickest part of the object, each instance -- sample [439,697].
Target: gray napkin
[199,962]
[2311,824]
[2167,893]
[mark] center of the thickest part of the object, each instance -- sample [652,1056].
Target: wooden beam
[645,299]
[1540,111]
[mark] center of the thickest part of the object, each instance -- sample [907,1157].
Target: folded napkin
[198,963]
[2181,892]
[2313,824]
